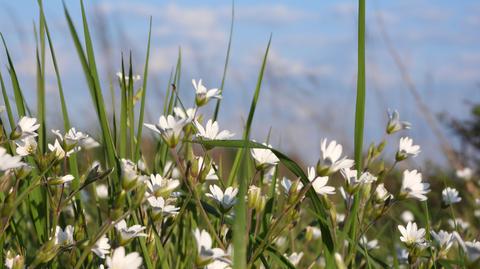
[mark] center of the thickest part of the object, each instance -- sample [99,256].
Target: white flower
[287,185]
[368,244]
[127,78]
[202,95]
[382,193]
[13,261]
[26,127]
[128,233]
[60,180]
[350,176]
[413,187]
[121,261]
[411,235]
[319,183]
[225,199]
[473,250]
[101,247]
[169,129]
[450,196]
[160,186]
[129,173]
[211,131]
[206,253]
[187,115]
[312,232]
[219,264]
[160,205]
[460,223]
[58,150]
[443,239]
[465,173]
[8,161]
[294,258]
[407,149]
[64,237]
[26,146]
[394,124]
[101,191]
[264,158]
[330,161]
[407,216]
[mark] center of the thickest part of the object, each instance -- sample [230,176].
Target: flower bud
[255,199]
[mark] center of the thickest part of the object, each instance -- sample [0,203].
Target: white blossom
[128,233]
[330,161]
[121,261]
[394,124]
[225,199]
[160,186]
[8,161]
[319,183]
[64,237]
[101,247]
[211,131]
[169,129]
[443,239]
[406,148]
[202,95]
[26,127]
[160,205]
[264,158]
[450,196]
[412,185]
[206,254]
[466,173]
[26,146]
[411,235]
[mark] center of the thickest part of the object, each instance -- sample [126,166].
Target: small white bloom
[313,232]
[465,173]
[187,115]
[206,253]
[287,185]
[27,127]
[160,206]
[219,264]
[460,223]
[128,233]
[368,244]
[411,235]
[294,258]
[202,95]
[8,161]
[121,261]
[330,161]
[413,187]
[160,186]
[129,173]
[473,250]
[13,261]
[407,149]
[382,193]
[450,196]
[353,182]
[101,191]
[26,146]
[225,199]
[169,129]
[211,131]
[443,239]
[394,124]
[64,237]
[407,216]
[319,183]
[60,180]
[101,247]
[127,78]
[264,158]
[58,150]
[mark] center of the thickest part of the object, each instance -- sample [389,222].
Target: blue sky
[309,88]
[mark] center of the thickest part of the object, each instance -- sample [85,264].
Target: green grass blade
[253,105]
[41,112]
[360,102]
[144,93]
[8,107]
[17,92]
[227,58]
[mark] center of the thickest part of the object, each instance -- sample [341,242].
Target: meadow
[200,196]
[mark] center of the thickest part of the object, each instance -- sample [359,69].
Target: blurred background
[423,59]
